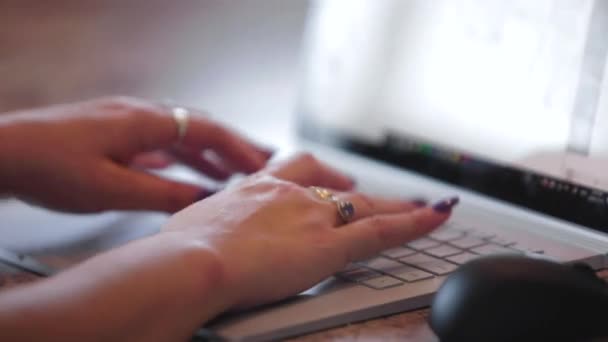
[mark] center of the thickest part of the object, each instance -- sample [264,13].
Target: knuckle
[260,177]
[258,183]
[289,189]
[130,106]
[273,185]
[364,201]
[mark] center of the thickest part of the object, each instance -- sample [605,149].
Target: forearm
[160,288]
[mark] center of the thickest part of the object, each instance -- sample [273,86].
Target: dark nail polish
[446,205]
[419,203]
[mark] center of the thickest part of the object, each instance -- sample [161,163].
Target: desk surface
[238,59]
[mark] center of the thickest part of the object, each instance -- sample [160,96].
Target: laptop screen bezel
[523,188]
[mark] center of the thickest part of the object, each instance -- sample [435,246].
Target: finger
[306,170]
[152,160]
[242,154]
[366,205]
[197,161]
[127,189]
[154,128]
[367,237]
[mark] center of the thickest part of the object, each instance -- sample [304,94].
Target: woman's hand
[90,156]
[259,241]
[273,237]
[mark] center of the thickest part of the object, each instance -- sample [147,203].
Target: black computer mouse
[519,298]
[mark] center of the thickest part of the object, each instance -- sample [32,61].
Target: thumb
[126,189]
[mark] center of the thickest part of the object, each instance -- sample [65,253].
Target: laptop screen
[502,97]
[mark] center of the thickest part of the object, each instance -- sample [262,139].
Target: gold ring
[346,209]
[323,193]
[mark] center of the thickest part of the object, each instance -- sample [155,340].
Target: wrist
[205,276]
[164,287]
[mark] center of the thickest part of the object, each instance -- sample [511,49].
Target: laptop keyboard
[437,254]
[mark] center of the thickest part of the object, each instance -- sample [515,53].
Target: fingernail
[204,194]
[419,202]
[446,205]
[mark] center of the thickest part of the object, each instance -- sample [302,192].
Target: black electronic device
[518,298]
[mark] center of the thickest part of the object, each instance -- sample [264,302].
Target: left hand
[90,156]
[272,237]
[260,240]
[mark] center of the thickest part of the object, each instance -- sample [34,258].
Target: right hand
[273,237]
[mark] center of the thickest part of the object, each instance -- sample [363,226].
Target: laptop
[503,103]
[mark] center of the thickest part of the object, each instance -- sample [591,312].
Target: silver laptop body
[425,99]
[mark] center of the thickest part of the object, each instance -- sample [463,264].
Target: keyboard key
[459,226]
[411,274]
[492,249]
[359,274]
[503,241]
[429,264]
[418,258]
[467,242]
[462,258]
[396,269]
[482,234]
[398,252]
[382,264]
[443,251]
[439,267]
[423,243]
[446,234]
[383,282]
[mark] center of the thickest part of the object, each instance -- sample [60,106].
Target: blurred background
[238,60]
[520,82]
